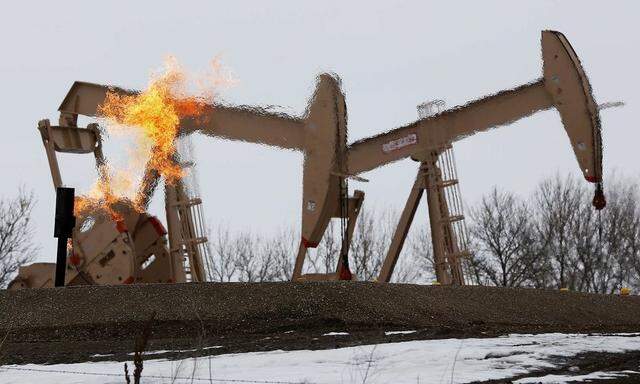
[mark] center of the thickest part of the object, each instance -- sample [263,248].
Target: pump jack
[564,86]
[105,250]
[321,135]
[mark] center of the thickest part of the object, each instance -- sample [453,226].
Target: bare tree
[283,247]
[222,263]
[607,244]
[473,270]
[17,245]
[370,242]
[587,250]
[249,264]
[415,264]
[630,262]
[557,203]
[584,248]
[324,259]
[502,232]
[255,258]
[245,256]
[633,241]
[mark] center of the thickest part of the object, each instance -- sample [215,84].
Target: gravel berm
[75,323]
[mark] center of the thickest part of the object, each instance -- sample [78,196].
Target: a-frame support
[400,235]
[446,252]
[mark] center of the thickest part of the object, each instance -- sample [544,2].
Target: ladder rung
[459,255]
[188,203]
[452,219]
[197,240]
[447,183]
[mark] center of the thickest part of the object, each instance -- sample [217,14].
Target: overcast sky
[391,55]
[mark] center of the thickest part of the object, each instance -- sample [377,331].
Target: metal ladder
[193,242]
[452,242]
[187,229]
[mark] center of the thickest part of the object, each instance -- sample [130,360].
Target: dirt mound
[75,323]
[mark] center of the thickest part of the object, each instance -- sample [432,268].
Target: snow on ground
[389,333]
[336,334]
[425,361]
[554,379]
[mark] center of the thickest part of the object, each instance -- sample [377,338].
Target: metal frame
[321,134]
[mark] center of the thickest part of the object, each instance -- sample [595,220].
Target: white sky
[390,56]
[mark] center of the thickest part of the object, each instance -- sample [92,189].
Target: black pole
[61,262]
[63,229]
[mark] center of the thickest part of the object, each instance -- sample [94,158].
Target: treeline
[550,239]
[250,257]
[555,239]
[17,244]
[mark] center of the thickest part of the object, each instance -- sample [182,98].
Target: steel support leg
[402,229]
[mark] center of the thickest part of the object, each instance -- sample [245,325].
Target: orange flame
[157,112]
[154,117]
[99,198]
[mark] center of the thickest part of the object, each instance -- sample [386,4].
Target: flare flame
[153,118]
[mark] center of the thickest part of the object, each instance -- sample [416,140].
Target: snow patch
[447,360]
[336,334]
[561,379]
[101,355]
[389,333]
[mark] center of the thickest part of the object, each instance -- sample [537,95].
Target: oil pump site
[122,269]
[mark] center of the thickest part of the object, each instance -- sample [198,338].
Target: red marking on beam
[157,225]
[74,259]
[592,179]
[308,244]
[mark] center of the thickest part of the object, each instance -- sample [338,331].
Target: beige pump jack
[321,135]
[104,250]
[564,86]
